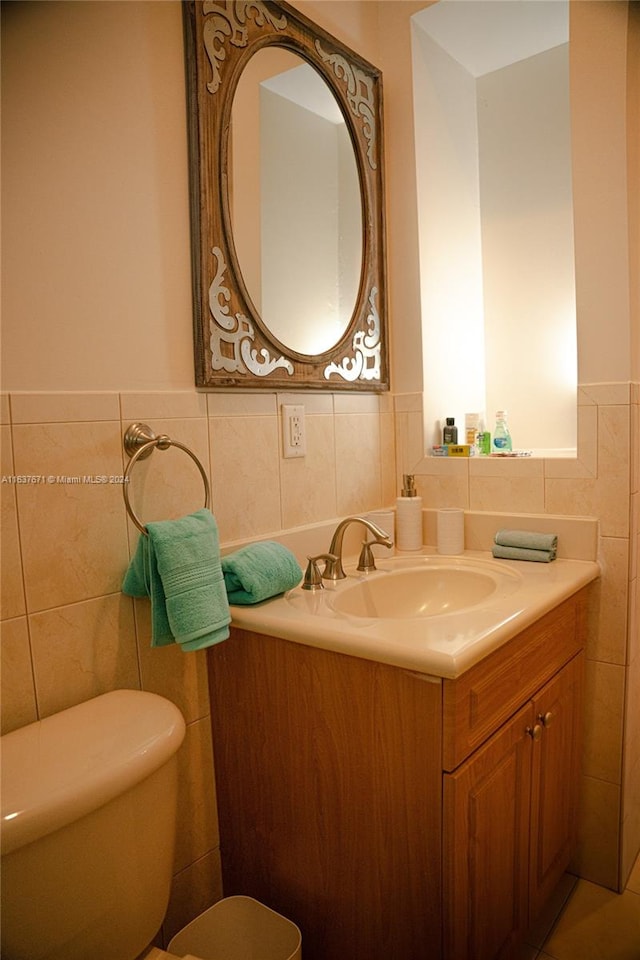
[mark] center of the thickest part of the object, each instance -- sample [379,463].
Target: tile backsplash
[68,633]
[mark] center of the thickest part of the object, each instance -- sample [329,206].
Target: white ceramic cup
[385,519]
[450,524]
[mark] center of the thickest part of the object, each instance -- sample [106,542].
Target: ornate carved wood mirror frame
[233,346]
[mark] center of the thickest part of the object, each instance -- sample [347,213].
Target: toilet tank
[88,827]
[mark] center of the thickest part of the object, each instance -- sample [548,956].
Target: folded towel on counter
[527,540]
[259,571]
[522,553]
[178,566]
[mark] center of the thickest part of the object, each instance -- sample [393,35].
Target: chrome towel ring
[139,442]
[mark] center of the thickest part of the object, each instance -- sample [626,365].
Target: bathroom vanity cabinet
[394,814]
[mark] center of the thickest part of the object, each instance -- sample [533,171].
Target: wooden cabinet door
[486,845]
[556,781]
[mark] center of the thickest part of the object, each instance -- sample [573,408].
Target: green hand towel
[178,566]
[522,553]
[260,571]
[527,540]
[142,580]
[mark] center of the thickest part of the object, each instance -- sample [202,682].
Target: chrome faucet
[333,568]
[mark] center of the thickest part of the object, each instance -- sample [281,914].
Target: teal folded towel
[178,566]
[527,540]
[522,553]
[259,571]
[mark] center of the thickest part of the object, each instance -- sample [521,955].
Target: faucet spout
[333,568]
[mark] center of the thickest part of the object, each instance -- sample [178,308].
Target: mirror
[293,162]
[286,188]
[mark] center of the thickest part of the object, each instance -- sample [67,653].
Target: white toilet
[88,827]
[89,817]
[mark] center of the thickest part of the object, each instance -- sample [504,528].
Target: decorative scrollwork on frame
[227,20]
[365,365]
[359,94]
[232,336]
[236,345]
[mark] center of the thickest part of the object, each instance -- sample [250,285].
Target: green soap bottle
[484,443]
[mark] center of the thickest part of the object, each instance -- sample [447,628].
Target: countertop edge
[432,646]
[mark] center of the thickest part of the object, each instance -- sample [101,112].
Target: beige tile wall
[603,483]
[68,633]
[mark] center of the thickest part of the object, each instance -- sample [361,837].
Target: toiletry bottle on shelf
[471,429]
[501,435]
[484,440]
[409,516]
[450,431]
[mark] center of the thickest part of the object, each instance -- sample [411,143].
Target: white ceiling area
[486,35]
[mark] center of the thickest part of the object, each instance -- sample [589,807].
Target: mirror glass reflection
[295,201]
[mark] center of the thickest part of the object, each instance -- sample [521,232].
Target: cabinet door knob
[535,732]
[545,718]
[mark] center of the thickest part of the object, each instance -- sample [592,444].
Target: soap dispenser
[409,516]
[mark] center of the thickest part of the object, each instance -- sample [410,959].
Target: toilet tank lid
[59,769]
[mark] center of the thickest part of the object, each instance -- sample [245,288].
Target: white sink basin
[424,612]
[432,589]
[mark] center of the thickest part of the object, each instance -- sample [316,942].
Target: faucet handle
[366,561]
[312,577]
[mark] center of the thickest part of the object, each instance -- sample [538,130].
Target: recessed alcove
[495,215]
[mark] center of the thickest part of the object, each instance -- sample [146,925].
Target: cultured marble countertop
[442,646]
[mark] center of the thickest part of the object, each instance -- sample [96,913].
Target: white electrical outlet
[294,441]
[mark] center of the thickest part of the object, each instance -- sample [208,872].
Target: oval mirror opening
[295,202]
